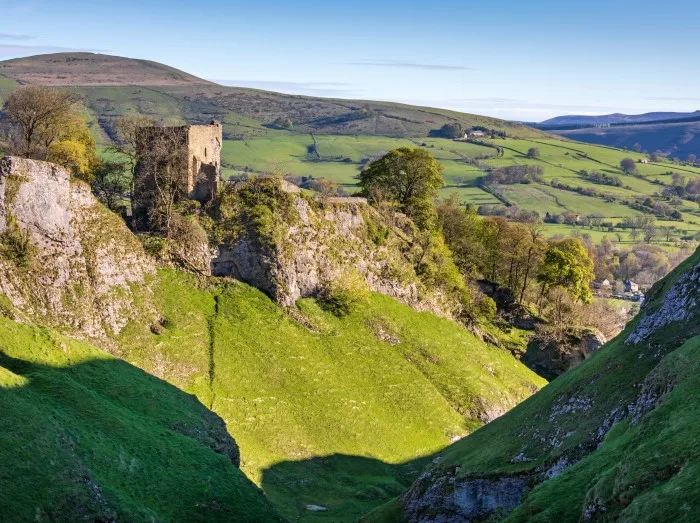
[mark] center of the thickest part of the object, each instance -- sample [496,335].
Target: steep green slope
[613,439]
[328,411]
[85,436]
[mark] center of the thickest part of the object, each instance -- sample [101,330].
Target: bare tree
[127,129]
[39,112]
[162,175]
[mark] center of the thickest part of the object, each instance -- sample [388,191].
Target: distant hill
[617,118]
[170,95]
[72,69]
[674,139]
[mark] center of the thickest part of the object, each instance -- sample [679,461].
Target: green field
[87,437]
[330,416]
[340,158]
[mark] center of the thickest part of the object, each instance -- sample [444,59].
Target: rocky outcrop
[319,242]
[445,498]
[681,303]
[552,354]
[507,305]
[64,258]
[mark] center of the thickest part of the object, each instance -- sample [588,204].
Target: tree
[162,183]
[533,152]
[282,123]
[451,130]
[127,130]
[628,165]
[38,113]
[72,146]
[408,176]
[111,181]
[568,266]
[692,159]
[650,233]
[637,147]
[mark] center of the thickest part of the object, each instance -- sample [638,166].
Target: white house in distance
[474,134]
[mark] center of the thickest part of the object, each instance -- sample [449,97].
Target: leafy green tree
[451,130]
[568,266]
[409,177]
[533,152]
[73,147]
[283,123]
[628,166]
[110,183]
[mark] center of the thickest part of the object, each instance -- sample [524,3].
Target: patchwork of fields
[340,159]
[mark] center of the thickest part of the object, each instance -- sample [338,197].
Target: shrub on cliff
[15,243]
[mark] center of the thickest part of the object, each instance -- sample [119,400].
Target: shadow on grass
[102,440]
[337,487]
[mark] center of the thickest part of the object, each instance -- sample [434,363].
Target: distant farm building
[630,286]
[474,134]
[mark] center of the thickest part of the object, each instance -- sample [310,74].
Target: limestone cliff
[64,259]
[311,242]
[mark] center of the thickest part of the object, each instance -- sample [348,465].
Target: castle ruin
[186,160]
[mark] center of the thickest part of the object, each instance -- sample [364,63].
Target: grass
[642,471]
[331,416]
[86,436]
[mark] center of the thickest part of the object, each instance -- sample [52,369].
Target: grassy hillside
[620,429]
[86,436]
[337,412]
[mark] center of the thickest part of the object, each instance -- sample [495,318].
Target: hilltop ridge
[93,69]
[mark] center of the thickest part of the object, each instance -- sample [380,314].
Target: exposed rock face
[325,241]
[550,355]
[445,498]
[681,302]
[507,305]
[83,259]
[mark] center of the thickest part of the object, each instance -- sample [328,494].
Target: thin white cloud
[526,106]
[674,98]
[15,37]
[339,89]
[409,65]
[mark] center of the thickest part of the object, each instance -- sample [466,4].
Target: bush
[153,245]
[16,244]
[487,308]
[340,295]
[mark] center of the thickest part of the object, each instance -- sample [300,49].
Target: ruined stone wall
[193,151]
[204,160]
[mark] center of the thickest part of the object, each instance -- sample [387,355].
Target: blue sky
[527,60]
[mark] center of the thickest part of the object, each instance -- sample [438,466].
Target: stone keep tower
[191,152]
